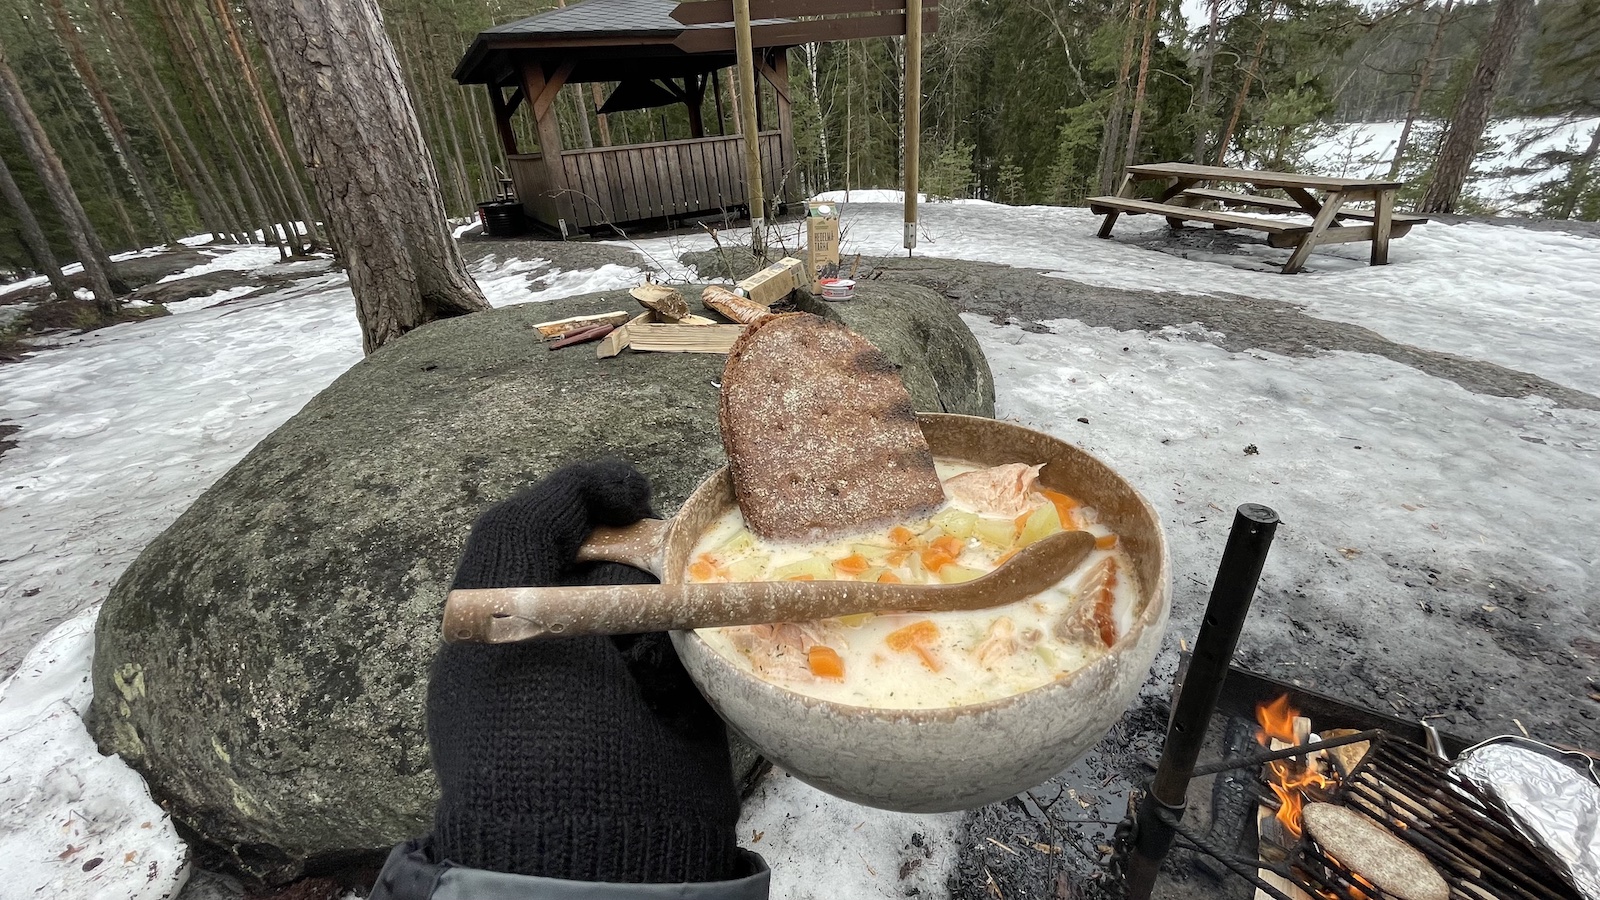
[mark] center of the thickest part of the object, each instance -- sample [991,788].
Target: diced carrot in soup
[1064,504]
[902,536]
[702,569]
[928,659]
[934,559]
[1105,541]
[825,663]
[1105,598]
[950,545]
[919,632]
[898,557]
[854,564]
[888,578]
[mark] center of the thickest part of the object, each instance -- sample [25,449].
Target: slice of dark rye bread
[821,436]
[1369,850]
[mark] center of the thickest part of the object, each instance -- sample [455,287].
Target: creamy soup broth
[895,660]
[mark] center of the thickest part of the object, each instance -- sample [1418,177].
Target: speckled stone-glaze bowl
[936,760]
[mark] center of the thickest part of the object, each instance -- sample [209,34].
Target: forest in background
[169,122]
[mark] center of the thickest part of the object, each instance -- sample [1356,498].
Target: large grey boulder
[263,662]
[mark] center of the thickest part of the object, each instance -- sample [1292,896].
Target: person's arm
[583,767]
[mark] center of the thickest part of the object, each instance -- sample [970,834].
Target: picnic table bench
[1178,204]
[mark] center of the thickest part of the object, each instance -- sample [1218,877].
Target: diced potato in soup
[897,660]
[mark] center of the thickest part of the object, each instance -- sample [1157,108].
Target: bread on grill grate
[1369,850]
[821,436]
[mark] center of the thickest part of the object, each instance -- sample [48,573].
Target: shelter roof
[621,32]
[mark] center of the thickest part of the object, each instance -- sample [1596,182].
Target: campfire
[1419,832]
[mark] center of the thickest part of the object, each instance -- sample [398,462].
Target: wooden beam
[552,87]
[712,12]
[502,118]
[534,85]
[694,98]
[912,101]
[789,34]
[769,73]
[748,100]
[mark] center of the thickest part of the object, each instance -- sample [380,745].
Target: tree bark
[1111,135]
[269,127]
[357,130]
[32,235]
[36,144]
[1472,112]
[1424,75]
[1202,101]
[1149,26]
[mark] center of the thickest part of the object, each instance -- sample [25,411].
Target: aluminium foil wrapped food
[1554,803]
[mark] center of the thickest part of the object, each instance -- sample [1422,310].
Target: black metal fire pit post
[1231,593]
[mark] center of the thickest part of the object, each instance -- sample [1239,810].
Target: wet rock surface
[263,662]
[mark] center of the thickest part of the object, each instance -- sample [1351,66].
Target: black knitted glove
[583,758]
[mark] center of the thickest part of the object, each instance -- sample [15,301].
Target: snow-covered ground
[122,428]
[1365,149]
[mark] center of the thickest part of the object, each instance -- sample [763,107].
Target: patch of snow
[465,228]
[234,257]
[83,294]
[821,846]
[211,299]
[74,823]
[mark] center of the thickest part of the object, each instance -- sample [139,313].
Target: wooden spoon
[503,615]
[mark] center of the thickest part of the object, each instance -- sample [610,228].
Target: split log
[740,309]
[679,338]
[560,328]
[663,300]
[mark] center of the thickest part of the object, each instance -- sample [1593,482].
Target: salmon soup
[900,660]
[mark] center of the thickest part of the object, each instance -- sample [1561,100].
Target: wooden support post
[747,115]
[716,94]
[541,93]
[694,97]
[1330,209]
[502,119]
[600,117]
[913,104]
[1383,218]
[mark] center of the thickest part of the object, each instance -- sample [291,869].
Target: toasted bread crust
[820,433]
[1369,850]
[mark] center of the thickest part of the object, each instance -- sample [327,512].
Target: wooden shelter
[654,61]
[657,53]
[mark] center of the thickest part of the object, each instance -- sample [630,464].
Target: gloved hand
[584,758]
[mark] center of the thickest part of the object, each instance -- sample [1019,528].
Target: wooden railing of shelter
[662,180]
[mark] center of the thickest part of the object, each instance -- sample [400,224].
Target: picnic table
[1331,222]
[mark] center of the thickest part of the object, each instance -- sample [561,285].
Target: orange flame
[1289,778]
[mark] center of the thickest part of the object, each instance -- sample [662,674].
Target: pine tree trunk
[1149,26]
[302,206]
[1202,101]
[1111,135]
[110,123]
[1424,75]
[32,235]
[36,144]
[350,114]
[1244,88]
[1472,112]
[598,95]
[1579,174]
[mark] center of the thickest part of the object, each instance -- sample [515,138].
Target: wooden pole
[747,114]
[913,104]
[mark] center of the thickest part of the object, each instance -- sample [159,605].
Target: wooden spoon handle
[501,615]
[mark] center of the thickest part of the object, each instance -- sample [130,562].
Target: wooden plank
[1330,208]
[663,338]
[1278,204]
[1383,221]
[1236,220]
[559,327]
[1256,177]
[789,34]
[716,12]
[680,196]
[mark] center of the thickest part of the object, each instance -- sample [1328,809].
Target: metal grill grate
[1413,795]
